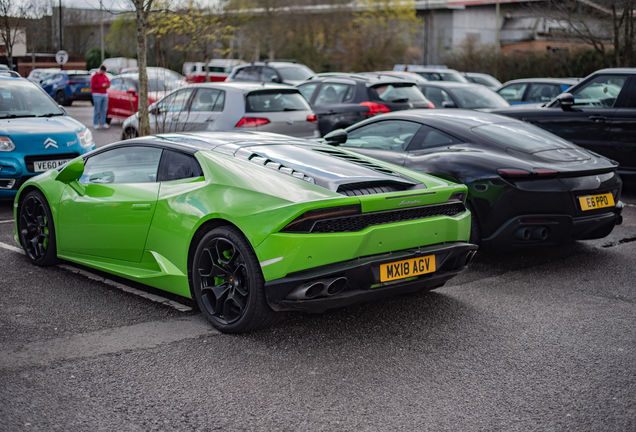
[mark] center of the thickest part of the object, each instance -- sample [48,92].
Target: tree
[12,14]
[142,12]
[607,25]
[94,58]
[122,31]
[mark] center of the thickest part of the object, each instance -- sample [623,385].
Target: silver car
[230,106]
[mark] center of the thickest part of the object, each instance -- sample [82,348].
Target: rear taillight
[73,82]
[430,105]
[545,172]
[252,122]
[306,221]
[312,118]
[375,108]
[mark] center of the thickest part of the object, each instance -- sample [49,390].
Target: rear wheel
[37,233]
[130,133]
[228,283]
[60,98]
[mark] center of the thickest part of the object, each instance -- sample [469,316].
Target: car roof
[544,80]
[270,63]
[245,86]
[451,84]
[454,117]
[370,78]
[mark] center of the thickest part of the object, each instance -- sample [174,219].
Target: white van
[116,64]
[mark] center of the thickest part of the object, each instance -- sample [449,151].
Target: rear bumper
[363,279]
[550,229]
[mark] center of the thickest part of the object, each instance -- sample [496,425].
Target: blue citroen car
[67,86]
[36,134]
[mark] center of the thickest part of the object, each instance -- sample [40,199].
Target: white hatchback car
[230,106]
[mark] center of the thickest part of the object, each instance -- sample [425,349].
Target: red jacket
[97,83]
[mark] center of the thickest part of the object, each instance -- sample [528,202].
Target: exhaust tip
[470,257]
[522,233]
[306,291]
[337,285]
[540,233]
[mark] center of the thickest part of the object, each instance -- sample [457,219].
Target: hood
[30,134]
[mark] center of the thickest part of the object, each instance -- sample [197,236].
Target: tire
[228,283]
[130,133]
[36,229]
[60,98]
[108,120]
[475,229]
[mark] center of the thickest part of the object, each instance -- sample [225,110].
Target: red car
[123,94]
[218,70]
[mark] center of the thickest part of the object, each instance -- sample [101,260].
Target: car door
[334,107]
[116,96]
[112,217]
[621,142]
[427,146]
[130,97]
[205,107]
[172,112]
[513,93]
[386,140]
[586,122]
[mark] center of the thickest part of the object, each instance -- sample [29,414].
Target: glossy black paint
[606,130]
[342,114]
[503,206]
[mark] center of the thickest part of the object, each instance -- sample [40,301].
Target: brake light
[430,105]
[306,221]
[73,82]
[252,122]
[545,172]
[375,108]
[513,172]
[312,118]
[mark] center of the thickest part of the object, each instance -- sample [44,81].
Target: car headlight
[86,138]
[6,145]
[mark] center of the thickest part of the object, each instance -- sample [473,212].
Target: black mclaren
[526,186]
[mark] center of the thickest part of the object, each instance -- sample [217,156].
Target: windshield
[396,93]
[295,73]
[521,136]
[478,97]
[275,101]
[442,76]
[155,83]
[20,98]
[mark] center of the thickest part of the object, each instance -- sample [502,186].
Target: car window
[175,102]
[22,98]
[307,90]
[208,100]
[396,93]
[117,84]
[333,93]
[177,166]
[250,73]
[543,92]
[122,165]
[521,136]
[476,97]
[275,100]
[385,135]
[295,73]
[601,91]
[268,74]
[513,92]
[437,96]
[429,137]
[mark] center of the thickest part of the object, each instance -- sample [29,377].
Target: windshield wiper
[50,115]
[18,116]
[400,100]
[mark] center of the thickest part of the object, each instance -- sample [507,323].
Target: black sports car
[526,186]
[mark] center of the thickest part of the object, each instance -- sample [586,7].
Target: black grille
[360,222]
[370,188]
[358,161]
[28,160]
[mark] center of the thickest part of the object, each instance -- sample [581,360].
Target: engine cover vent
[358,161]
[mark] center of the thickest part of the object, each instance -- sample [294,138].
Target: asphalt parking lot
[542,339]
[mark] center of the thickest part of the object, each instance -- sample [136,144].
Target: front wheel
[228,283]
[37,232]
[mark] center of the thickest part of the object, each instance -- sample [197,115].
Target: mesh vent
[360,222]
[370,188]
[357,161]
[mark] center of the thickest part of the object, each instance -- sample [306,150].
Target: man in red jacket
[99,85]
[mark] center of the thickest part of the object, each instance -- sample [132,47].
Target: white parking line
[152,297]
[7,221]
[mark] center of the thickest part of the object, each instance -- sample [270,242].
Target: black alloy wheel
[228,283]
[130,133]
[37,233]
[60,98]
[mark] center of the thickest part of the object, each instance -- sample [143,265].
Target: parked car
[116,64]
[217,70]
[534,90]
[274,71]
[445,94]
[598,114]
[123,94]
[439,73]
[230,219]
[230,106]
[35,134]
[39,75]
[484,79]
[526,186]
[67,86]
[342,99]
[162,73]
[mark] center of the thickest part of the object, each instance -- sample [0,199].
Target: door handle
[140,207]
[597,118]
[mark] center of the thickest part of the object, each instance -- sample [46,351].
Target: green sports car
[248,223]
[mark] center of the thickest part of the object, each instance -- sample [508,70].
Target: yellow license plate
[86,89]
[592,202]
[407,268]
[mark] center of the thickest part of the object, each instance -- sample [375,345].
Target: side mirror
[448,104]
[336,137]
[131,91]
[567,101]
[275,79]
[72,171]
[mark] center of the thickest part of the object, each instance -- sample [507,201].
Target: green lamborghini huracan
[248,223]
